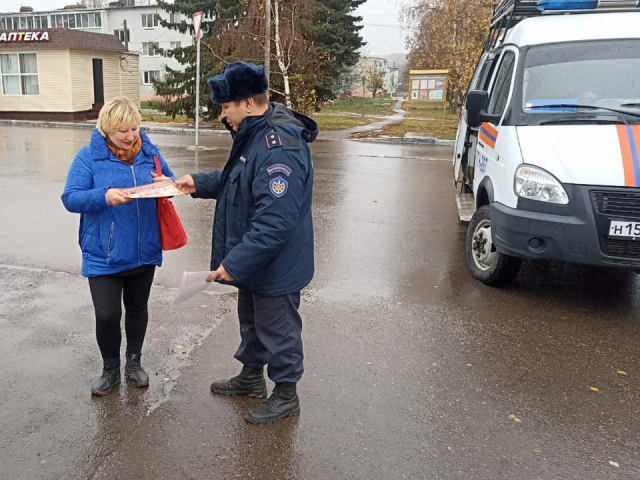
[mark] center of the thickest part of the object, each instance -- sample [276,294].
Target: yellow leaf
[514,418]
[179,346]
[594,389]
[622,372]
[167,379]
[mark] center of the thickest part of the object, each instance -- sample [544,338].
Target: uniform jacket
[263,229]
[113,239]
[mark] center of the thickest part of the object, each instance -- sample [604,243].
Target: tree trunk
[284,68]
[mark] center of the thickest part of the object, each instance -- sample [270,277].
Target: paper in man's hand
[192,284]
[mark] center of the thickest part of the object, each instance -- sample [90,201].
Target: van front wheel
[486,263]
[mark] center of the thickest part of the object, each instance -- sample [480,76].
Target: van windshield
[592,74]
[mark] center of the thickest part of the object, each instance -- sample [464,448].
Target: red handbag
[172,234]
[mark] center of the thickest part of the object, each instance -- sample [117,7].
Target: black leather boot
[250,382]
[109,378]
[134,372]
[282,403]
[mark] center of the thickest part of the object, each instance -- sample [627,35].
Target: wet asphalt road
[413,369]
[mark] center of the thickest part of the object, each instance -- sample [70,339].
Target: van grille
[618,204]
[622,248]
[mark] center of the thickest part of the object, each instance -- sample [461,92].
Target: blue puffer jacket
[263,229]
[114,239]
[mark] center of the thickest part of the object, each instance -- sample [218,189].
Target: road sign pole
[197,88]
[197,30]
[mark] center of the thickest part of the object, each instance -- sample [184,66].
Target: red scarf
[126,155]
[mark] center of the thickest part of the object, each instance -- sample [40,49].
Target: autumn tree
[375,81]
[450,34]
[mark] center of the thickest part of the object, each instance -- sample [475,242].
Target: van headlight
[535,184]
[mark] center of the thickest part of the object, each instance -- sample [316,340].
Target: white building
[144,34]
[363,69]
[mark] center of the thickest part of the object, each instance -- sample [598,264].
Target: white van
[547,155]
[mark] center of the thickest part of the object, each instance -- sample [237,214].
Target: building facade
[362,70]
[144,35]
[63,74]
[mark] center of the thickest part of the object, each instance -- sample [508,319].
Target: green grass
[422,109]
[372,106]
[340,123]
[179,120]
[426,118]
[431,128]
[325,123]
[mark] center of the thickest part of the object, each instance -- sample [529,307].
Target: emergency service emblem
[278,186]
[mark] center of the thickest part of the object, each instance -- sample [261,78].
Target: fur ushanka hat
[237,81]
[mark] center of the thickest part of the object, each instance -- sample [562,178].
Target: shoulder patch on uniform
[273,140]
[278,186]
[278,167]
[291,142]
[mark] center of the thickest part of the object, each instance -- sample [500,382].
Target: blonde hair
[117,112]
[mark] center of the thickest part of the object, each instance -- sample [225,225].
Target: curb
[90,126]
[407,141]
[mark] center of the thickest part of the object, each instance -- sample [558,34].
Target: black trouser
[271,332]
[108,292]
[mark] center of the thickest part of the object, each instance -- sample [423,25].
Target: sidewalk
[410,138]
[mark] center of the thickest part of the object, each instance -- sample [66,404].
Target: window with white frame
[176,45]
[174,18]
[19,74]
[23,22]
[150,49]
[122,36]
[77,20]
[150,76]
[150,20]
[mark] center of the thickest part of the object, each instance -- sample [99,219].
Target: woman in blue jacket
[119,237]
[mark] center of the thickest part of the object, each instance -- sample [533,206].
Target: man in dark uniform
[262,234]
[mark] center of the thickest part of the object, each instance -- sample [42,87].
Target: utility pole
[267,41]
[364,79]
[126,35]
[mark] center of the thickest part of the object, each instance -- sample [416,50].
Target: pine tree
[336,41]
[178,87]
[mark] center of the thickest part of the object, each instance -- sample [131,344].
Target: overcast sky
[381,30]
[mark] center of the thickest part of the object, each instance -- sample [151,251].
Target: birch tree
[283,52]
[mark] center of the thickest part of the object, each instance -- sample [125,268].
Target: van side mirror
[477,101]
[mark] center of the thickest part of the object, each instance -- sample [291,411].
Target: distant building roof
[62,38]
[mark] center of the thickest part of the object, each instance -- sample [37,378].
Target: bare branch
[214,53]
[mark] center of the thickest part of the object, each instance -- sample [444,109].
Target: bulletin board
[428,85]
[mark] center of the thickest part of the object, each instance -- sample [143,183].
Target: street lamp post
[364,79]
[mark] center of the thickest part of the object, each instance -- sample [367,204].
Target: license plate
[624,229]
